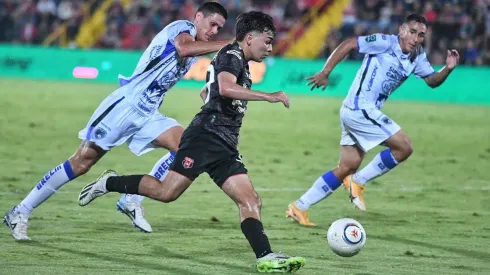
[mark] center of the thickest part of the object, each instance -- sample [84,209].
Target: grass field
[431,215]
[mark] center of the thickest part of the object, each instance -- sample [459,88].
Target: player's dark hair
[210,8]
[415,18]
[253,21]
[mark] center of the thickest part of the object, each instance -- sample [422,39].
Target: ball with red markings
[346,237]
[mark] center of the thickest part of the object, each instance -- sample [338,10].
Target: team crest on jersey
[100,133]
[386,120]
[187,163]
[371,38]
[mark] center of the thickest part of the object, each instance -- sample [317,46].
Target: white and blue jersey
[158,69]
[384,68]
[130,114]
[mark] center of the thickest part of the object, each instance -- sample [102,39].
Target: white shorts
[116,121]
[367,128]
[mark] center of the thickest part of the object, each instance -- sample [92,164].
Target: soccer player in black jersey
[210,142]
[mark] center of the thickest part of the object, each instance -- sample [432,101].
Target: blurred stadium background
[307,28]
[60,58]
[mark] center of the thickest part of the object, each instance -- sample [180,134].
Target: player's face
[208,26]
[260,45]
[412,34]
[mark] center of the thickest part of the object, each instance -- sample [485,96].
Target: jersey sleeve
[182,26]
[423,68]
[373,44]
[229,61]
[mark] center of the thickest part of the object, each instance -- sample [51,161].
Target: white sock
[381,164]
[159,171]
[322,188]
[48,185]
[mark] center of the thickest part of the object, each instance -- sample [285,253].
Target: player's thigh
[170,139]
[367,128]
[174,185]
[112,123]
[399,142]
[158,131]
[191,159]
[227,163]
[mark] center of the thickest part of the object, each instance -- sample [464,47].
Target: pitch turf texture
[430,215]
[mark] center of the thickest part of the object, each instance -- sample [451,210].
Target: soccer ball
[346,237]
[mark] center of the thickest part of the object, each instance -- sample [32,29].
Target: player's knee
[407,150]
[80,166]
[250,204]
[167,196]
[403,152]
[345,169]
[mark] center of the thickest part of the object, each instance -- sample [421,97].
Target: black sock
[124,184]
[254,232]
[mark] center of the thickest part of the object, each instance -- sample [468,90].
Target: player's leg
[80,163]
[158,132]
[168,139]
[168,190]
[183,172]
[240,189]
[374,128]
[350,159]
[399,149]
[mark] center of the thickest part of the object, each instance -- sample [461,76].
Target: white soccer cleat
[95,189]
[136,213]
[17,222]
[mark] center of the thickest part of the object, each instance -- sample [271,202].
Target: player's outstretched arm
[438,78]
[320,79]
[228,88]
[187,46]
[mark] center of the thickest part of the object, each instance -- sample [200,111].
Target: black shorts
[202,151]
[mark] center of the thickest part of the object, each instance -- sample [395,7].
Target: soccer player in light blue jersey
[389,60]
[130,114]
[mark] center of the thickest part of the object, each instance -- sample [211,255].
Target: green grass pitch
[431,215]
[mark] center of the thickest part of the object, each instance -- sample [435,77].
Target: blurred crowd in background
[460,24]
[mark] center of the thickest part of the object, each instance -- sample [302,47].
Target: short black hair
[210,8]
[415,18]
[253,21]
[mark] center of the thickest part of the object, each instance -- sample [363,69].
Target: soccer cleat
[17,222]
[95,189]
[279,263]
[300,216]
[136,213]
[356,192]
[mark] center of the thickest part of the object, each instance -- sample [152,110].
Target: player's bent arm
[187,46]
[339,54]
[204,93]
[436,79]
[228,88]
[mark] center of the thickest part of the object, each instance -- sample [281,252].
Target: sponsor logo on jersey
[371,38]
[235,53]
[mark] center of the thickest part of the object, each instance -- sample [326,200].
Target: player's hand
[318,80]
[452,59]
[279,97]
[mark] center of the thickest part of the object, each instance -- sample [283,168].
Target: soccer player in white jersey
[389,60]
[130,114]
